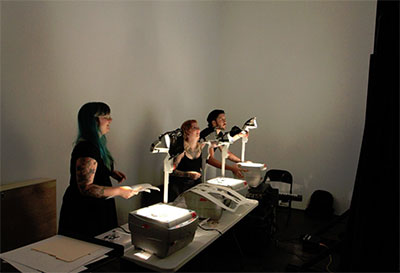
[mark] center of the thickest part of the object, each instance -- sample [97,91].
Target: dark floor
[246,248]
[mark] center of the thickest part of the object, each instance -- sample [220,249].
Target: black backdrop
[372,238]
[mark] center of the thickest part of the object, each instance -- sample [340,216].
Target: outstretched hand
[129,191]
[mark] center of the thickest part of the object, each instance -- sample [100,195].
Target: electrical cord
[210,229]
[126,231]
[330,257]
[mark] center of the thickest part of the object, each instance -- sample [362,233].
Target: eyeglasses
[107,117]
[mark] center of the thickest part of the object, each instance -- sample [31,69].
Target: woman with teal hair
[86,208]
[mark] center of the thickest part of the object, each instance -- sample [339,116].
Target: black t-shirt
[181,184]
[86,215]
[186,164]
[87,149]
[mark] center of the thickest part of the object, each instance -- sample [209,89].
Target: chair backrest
[320,204]
[282,176]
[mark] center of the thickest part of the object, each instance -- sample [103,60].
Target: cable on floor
[330,257]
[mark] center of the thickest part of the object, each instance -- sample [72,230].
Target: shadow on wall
[147,166]
[150,166]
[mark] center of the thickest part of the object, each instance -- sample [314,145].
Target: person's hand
[238,172]
[119,176]
[127,192]
[193,175]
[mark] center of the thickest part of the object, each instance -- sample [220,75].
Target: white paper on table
[65,248]
[79,269]
[46,263]
[97,259]
[22,268]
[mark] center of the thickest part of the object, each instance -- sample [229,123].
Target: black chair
[285,177]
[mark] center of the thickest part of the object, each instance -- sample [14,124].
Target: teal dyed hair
[88,128]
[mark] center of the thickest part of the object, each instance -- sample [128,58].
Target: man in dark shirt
[217,124]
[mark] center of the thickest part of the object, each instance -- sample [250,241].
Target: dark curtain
[371,242]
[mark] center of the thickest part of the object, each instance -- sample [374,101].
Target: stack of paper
[55,254]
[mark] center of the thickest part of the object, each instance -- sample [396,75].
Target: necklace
[192,152]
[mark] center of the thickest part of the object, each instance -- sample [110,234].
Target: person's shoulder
[81,144]
[84,148]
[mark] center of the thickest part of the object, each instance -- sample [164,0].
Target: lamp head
[176,146]
[229,136]
[250,124]
[170,142]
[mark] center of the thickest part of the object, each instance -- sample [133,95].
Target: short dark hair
[213,115]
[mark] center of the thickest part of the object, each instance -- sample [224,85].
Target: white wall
[153,63]
[300,67]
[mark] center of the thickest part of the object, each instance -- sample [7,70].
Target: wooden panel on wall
[28,212]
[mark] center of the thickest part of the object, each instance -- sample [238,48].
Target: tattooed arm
[85,171]
[188,174]
[178,159]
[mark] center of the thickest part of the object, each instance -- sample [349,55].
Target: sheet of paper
[22,268]
[65,248]
[46,263]
[140,187]
[79,269]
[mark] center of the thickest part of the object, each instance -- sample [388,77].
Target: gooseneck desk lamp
[170,143]
[250,124]
[253,168]
[224,141]
[163,229]
[255,171]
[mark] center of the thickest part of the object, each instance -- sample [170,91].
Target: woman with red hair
[189,163]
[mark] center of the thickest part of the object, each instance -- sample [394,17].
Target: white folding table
[203,237]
